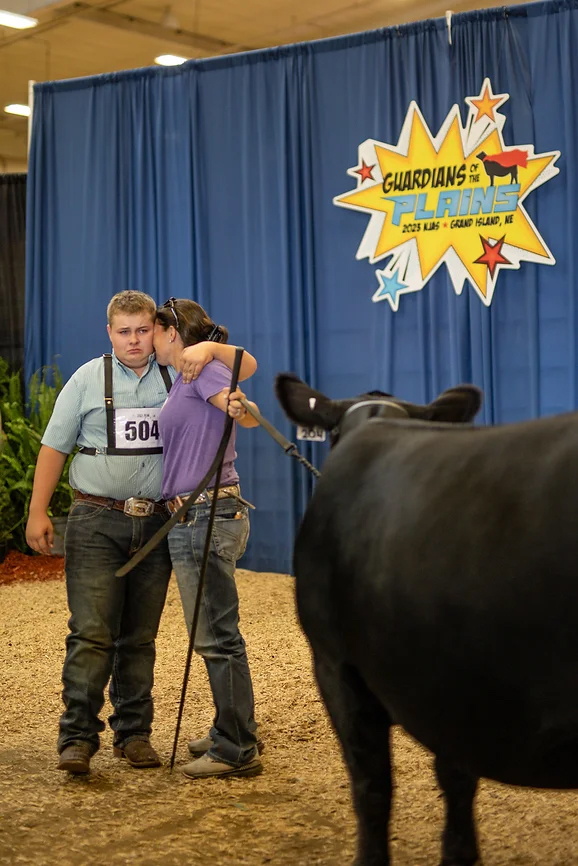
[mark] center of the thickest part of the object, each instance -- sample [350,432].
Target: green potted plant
[23,425]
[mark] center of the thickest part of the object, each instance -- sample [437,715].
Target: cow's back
[442,563]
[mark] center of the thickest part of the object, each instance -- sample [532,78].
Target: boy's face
[131,336]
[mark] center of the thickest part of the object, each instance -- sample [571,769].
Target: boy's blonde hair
[130,302]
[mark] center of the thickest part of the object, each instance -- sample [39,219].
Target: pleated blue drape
[215,181]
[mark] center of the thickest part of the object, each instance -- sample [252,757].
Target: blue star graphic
[390,288]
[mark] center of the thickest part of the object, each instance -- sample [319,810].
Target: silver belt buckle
[138,507]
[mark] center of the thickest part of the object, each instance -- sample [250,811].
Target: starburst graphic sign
[456,199]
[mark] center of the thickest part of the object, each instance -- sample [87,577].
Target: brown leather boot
[76,759]
[139,754]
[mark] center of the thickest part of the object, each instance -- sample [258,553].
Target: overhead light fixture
[18,22]
[15,108]
[170,60]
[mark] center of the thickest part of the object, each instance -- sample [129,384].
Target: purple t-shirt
[191,429]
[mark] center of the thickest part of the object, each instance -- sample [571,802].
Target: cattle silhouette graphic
[502,164]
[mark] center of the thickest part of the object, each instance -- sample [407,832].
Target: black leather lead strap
[272,431]
[288,447]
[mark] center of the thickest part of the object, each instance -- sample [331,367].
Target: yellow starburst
[446,200]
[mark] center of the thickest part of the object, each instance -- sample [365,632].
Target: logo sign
[455,199]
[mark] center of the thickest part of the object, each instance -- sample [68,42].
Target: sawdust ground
[297,813]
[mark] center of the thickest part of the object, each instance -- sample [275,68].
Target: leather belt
[134,506]
[229,490]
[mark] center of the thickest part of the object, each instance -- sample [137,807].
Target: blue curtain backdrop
[215,181]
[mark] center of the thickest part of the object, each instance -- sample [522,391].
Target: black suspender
[109,403]
[166,378]
[109,409]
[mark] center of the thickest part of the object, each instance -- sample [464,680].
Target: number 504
[143,431]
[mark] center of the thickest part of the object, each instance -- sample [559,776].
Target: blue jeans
[113,624]
[218,639]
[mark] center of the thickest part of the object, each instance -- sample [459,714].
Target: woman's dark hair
[191,322]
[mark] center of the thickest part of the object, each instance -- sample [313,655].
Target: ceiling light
[18,22]
[170,60]
[22,110]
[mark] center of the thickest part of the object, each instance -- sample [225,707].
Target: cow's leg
[459,845]
[362,725]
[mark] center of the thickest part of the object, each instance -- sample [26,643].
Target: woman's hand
[230,403]
[235,408]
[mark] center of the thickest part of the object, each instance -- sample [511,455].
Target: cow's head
[311,408]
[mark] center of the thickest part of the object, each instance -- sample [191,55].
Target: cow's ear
[304,405]
[456,405]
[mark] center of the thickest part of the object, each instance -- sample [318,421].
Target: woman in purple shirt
[191,426]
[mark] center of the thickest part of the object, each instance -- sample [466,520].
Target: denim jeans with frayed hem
[218,639]
[113,623]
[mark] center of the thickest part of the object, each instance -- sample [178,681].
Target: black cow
[437,582]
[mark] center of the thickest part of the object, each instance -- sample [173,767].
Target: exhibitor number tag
[311,434]
[137,428]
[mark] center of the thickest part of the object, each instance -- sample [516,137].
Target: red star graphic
[365,171]
[492,255]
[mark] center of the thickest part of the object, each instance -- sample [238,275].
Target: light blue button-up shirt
[79,418]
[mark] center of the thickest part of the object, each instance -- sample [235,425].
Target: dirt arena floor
[297,813]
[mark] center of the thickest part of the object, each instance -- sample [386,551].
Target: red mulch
[19,566]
